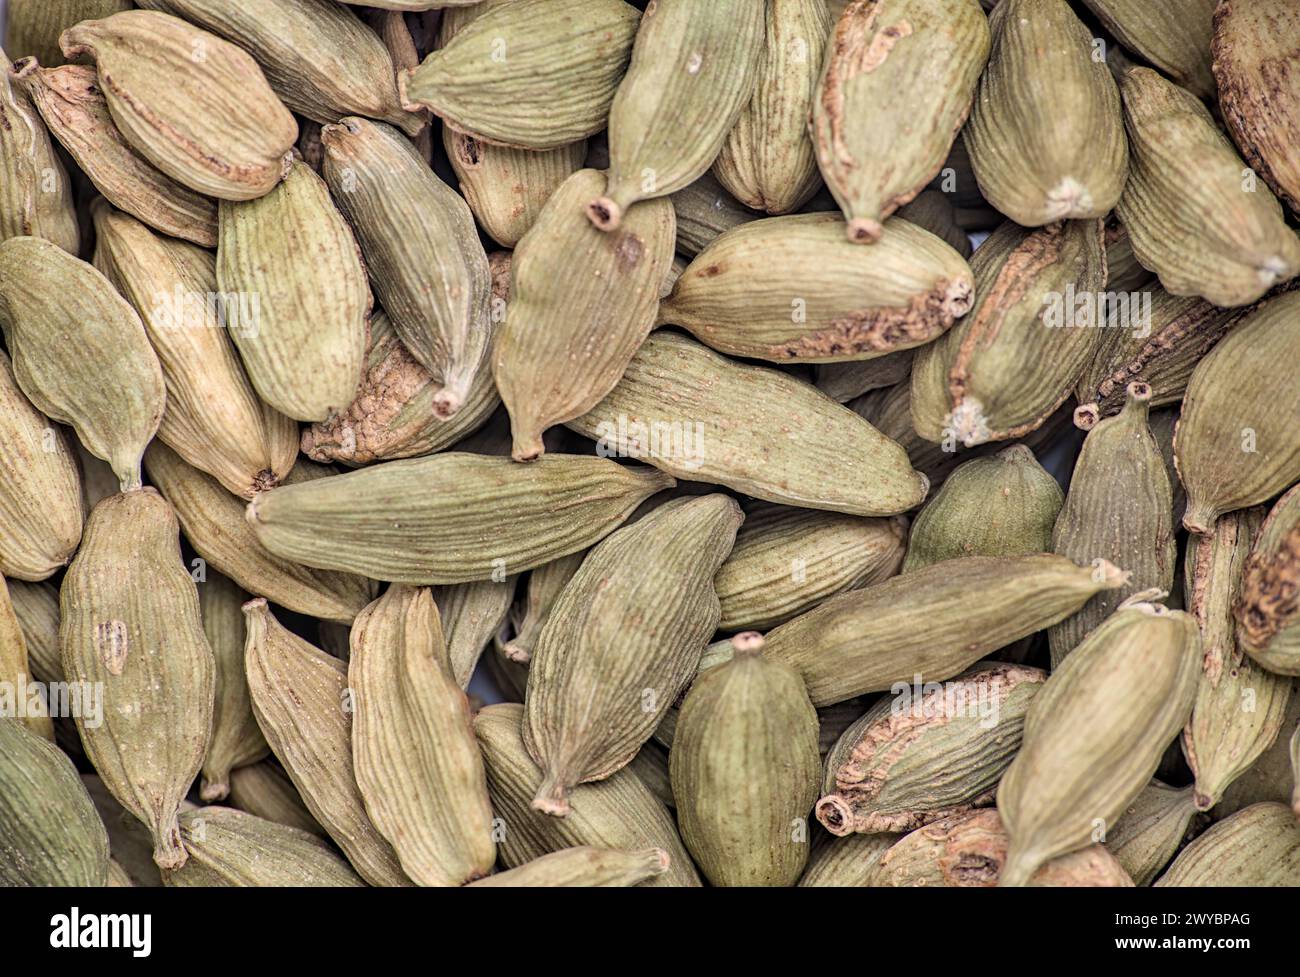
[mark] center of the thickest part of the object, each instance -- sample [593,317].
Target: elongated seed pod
[545,584]
[1119,508]
[231,848]
[1270,777]
[685,409]
[1153,827]
[105,382]
[1005,368]
[299,696]
[744,768]
[1257,846]
[194,105]
[1188,182]
[472,613]
[213,417]
[320,58]
[1236,444]
[693,71]
[1133,681]
[21,695]
[35,194]
[265,790]
[1046,134]
[49,831]
[934,622]
[527,73]
[1267,609]
[927,753]
[933,50]
[418,765]
[1003,505]
[237,740]
[623,641]
[788,560]
[75,110]
[1173,35]
[704,210]
[40,496]
[618,812]
[845,862]
[293,256]
[214,524]
[584,866]
[768,161]
[428,268]
[452,517]
[36,606]
[581,302]
[129,620]
[791,287]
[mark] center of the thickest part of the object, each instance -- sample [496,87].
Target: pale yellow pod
[21,691]
[583,866]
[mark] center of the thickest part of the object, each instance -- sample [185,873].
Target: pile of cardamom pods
[632,360]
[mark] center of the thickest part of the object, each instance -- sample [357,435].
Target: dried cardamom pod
[320,58]
[231,848]
[1119,508]
[194,105]
[1001,505]
[430,274]
[20,697]
[618,812]
[460,517]
[693,71]
[1267,610]
[787,561]
[792,288]
[1123,271]
[845,862]
[80,352]
[1239,706]
[293,255]
[237,740]
[584,867]
[215,526]
[1194,211]
[130,624]
[36,606]
[1270,777]
[1005,368]
[40,495]
[471,614]
[1237,443]
[768,161]
[623,641]
[700,416]
[264,789]
[847,381]
[49,831]
[744,768]
[1131,684]
[301,701]
[545,584]
[932,51]
[927,753]
[417,762]
[213,417]
[581,302]
[1259,95]
[1257,846]
[1173,35]
[970,851]
[33,26]
[934,622]
[1146,836]
[704,210]
[75,110]
[651,765]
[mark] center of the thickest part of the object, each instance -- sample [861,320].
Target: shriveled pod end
[604,214]
[24,71]
[968,423]
[265,480]
[1138,392]
[552,797]
[256,607]
[517,653]
[403,77]
[747,643]
[217,789]
[1199,519]
[1146,600]
[663,859]
[129,478]
[835,815]
[863,230]
[527,447]
[1086,416]
[332,133]
[959,297]
[447,403]
[169,852]
[1110,576]
[1202,800]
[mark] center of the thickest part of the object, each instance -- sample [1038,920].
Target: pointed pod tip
[835,815]
[863,230]
[604,214]
[552,798]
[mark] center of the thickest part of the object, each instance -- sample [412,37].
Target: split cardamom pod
[1257,846]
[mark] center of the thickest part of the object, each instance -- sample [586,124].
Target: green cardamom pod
[704,210]
[1173,35]
[847,381]
[1123,271]
[934,622]
[744,768]
[651,766]
[417,762]
[37,608]
[301,701]
[1046,134]
[903,71]
[264,789]
[50,833]
[130,624]
[461,517]
[581,302]
[430,274]
[693,71]
[845,862]
[700,416]
[472,613]
[1267,610]
[792,288]
[584,867]
[215,525]
[1153,827]
[1270,777]
[1237,443]
[194,105]
[545,584]
[20,697]
[1257,846]
[1131,684]
[80,352]
[617,812]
